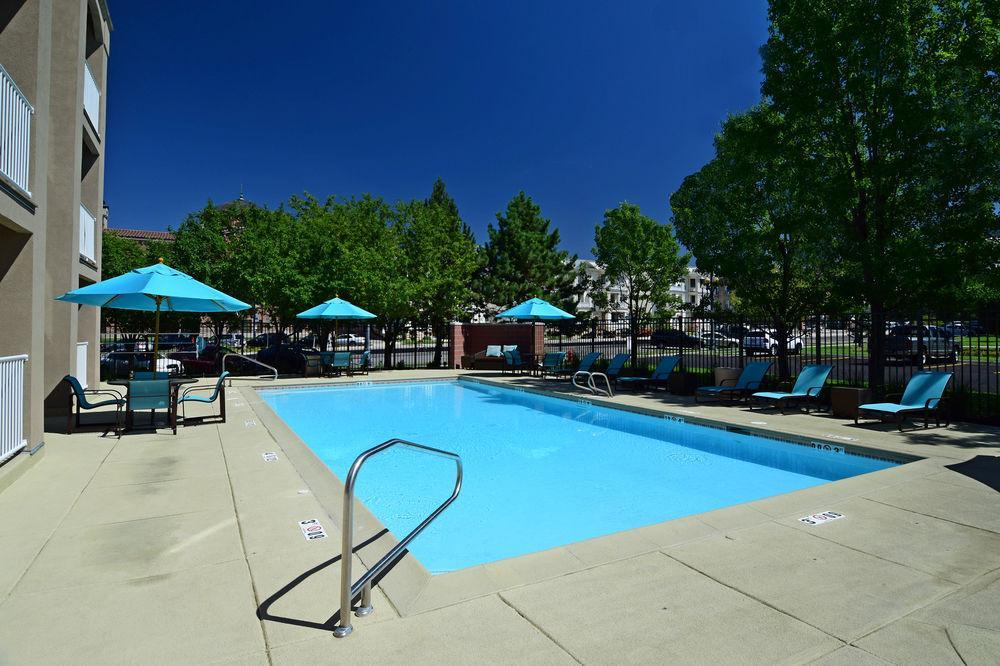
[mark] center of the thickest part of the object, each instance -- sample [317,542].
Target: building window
[692,298]
[694,282]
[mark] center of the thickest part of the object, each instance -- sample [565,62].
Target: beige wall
[43,44]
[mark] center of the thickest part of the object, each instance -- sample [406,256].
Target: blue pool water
[540,472]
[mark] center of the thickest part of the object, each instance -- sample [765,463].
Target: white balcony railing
[15,132]
[87,231]
[91,98]
[11,405]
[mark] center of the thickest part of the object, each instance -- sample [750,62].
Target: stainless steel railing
[364,584]
[591,385]
[252,360]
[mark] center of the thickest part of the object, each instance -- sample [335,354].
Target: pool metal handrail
[252,360]
[364,584]
[591,385]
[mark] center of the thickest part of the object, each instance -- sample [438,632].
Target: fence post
[920,341]
[593,335]
[818,335]
[742,336]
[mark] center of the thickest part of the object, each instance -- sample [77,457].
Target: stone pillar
[456,348]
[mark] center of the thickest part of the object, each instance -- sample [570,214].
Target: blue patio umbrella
[535,309]
[336,309]
[155,288]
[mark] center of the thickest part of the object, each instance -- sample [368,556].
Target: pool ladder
[591,386]
[363,586]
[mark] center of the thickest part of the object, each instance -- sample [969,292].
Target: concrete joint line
[538,628]
[927,515]
[750,596]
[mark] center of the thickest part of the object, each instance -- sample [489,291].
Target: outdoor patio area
[187,548]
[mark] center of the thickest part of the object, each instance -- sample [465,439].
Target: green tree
[643,257]
[750,217]
[206,246]
[119,255]
[522,259]
[378,270]
[277,272]
[444,257]
[894,105]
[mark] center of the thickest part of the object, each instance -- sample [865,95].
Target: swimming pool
[540,471]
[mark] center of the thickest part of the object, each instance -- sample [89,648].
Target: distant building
[690,291]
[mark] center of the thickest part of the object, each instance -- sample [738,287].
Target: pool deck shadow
[161,548]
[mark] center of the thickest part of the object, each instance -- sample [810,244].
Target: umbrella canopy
[535,309]
[155,288]
[336,308]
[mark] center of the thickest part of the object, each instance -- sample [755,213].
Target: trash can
[731,374]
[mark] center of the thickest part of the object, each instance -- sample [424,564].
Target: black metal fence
[124,349]
[968,347]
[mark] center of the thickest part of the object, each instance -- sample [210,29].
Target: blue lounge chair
[660,377]
[552,363]
[616,366]
[77,390]
[808,386]
[362,363]
[748,381]
[586,364]
[924,394]
[218,393]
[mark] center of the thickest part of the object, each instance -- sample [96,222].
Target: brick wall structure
[469,339]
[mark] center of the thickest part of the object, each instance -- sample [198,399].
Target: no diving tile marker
[249,423]
[821,518]
[312,529]
[270,456]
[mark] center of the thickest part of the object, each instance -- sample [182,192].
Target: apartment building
[53,78]
[691,291]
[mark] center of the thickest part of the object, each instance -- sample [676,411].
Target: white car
[717,340]
[350,339]
[760,341]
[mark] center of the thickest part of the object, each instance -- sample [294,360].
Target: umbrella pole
[156,338]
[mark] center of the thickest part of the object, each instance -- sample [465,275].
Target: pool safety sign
[821,518]
[312,529]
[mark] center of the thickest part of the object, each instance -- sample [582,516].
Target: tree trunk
[781,336]
[876,349]
[440,331]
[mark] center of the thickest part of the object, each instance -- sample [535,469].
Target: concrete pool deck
[156,548]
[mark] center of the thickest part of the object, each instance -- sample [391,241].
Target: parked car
[208,362]
[960,329]
[230,339]
[268,340]
[350,339]
[759,341]
[290,359]
[169,341]
[920,344]
[736,331]
[121,365]
[673,338]
[718,340]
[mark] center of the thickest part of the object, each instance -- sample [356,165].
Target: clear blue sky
[581,104]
